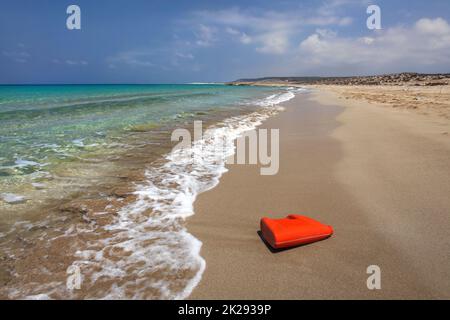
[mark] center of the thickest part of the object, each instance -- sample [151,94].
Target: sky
[179,41]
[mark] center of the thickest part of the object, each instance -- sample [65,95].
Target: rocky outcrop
[407,78]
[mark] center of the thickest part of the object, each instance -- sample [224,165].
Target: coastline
[379,177]
[135,220]
[336,153]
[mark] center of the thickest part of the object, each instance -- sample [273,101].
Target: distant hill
[406,78]
[285,79]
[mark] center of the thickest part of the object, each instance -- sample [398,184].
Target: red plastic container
[295,230]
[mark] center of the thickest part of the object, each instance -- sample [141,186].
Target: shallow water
[42,126]
[88,180]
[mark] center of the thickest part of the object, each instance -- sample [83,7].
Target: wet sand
[379,177]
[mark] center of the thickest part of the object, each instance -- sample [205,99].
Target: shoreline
[324,138]
[137,225]
[428,101]
[373,175]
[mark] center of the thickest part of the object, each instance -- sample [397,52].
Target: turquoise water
[41,126]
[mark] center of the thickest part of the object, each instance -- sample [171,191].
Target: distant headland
[405,78]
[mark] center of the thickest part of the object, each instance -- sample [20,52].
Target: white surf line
[152,230]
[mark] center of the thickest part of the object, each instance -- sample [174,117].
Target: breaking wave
[147,252]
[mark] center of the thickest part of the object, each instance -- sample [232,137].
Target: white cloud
[184,55]
[245,39]
[71,62]
[436,26]
[329,8]
[274,42]
[239,36]
[133,58]
[19,56]
[232,31]
[270,31]
[205,35]
[427,43]
[346,21]
[76,62]
[329,20]
[367,40]
[165,58]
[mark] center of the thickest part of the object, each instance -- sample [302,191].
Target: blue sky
[148,41]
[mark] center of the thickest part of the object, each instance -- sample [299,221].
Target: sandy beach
[379,176]
[431,101]
[225,150]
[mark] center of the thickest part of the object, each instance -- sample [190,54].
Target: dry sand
[425,100]
[381,178]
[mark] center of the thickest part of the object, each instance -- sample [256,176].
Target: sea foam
[149,253]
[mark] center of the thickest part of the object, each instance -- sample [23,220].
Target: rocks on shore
[406,78]
[11,198]
[414,79]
